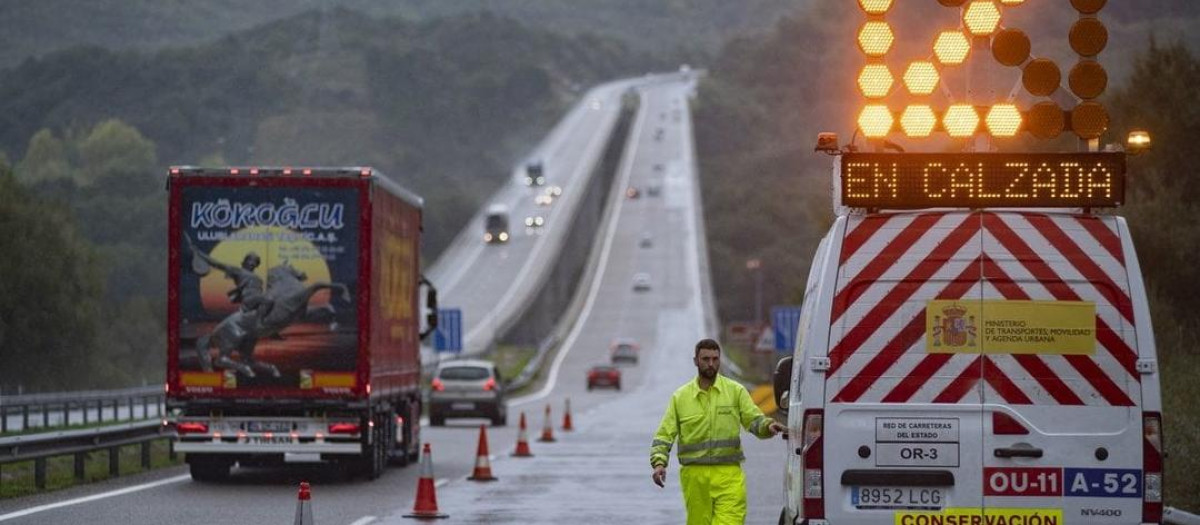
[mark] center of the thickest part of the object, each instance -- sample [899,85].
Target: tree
[50,288]
[45,160]
[114,148]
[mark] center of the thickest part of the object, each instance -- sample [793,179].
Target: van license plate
[462,406]
[913,498]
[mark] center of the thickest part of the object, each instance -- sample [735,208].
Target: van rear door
[903,408]
[1062,430]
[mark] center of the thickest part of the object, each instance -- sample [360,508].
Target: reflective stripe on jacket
[708,424]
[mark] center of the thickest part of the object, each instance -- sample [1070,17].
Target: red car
[604,375]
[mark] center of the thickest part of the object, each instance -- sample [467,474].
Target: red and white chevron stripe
[892,265]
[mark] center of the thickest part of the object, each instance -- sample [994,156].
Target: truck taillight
[490,384]
[437,384]
[813,463]
[191,428]
[344,428]
[1152,467]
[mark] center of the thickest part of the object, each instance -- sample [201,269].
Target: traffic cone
[483,465]
[567,427]
[426,504]
[304,506]
[547,429]
[522,441]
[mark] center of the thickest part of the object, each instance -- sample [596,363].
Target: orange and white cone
[522,441]
[483,465]
[304,506]
[547,429]
[426,504]
[567,426]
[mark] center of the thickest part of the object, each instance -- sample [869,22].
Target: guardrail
[79,443]
[1179,517]
[23,412]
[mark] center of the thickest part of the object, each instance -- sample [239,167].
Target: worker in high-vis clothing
[706,416]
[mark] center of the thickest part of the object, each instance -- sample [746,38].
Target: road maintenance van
[964,359]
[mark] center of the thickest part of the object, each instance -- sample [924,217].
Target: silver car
[467,388]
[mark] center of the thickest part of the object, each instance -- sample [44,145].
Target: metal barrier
[79,443]
[1179,517]
[62,409]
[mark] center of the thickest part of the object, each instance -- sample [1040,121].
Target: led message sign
[982,180]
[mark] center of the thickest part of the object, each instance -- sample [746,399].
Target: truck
[535,174]
[495,224]
[294,318]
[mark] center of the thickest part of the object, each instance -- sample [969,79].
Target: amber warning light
[977,180]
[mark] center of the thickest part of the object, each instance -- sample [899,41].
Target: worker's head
[251,261]
[708,358]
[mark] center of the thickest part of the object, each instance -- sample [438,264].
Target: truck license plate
[272,440]
[268,426]
[914,498]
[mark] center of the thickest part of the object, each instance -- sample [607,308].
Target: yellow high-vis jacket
[708,424]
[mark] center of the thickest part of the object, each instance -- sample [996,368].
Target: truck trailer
[294,320]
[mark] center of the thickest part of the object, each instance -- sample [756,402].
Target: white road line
[594,291]
[364,520]
[94,497]
[441,482]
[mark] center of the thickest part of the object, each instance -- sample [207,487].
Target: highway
[597,474]
[490,282]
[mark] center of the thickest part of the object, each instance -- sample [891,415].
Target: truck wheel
[209,470]
[370,464]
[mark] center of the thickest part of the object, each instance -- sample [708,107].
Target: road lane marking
[594,291]
[441,482]
[93,497]
[364,520]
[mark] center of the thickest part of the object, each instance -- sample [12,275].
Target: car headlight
[503,236]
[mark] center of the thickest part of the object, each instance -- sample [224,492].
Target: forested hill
[32,29]
[445,106]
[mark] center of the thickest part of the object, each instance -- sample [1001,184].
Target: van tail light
[1152,467]
[437,385]
[344,428]
[813,452]
[490,384]
[191,428]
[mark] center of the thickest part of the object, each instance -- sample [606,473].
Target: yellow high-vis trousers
[714,494]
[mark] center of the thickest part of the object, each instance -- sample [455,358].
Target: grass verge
[17,479]
[1181,417]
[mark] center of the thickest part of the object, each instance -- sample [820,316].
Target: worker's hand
[660,476]
[775,427]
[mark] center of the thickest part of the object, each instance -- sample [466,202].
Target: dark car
[624,351]
[467,388]
[604,375]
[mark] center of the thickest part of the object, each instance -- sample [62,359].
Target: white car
[641,282]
